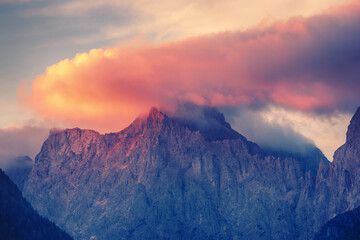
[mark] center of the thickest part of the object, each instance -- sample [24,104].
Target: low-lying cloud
[270,135]
[308,64]
[285,130]
[22,141]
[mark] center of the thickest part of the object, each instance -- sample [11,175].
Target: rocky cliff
[337,189]
[166,178]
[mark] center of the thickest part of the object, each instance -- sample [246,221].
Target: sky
[284,72]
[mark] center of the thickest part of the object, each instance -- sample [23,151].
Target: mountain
[18,219]
[168,178]
[336,188]
[345,226]
[19,170]
[309,158]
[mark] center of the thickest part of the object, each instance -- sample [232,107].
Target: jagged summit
[349,153]
[155,117]
[353,133]
[208,120]
[154,113]
[73,133]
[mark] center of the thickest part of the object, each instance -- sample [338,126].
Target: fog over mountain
[20,141]
[19,170]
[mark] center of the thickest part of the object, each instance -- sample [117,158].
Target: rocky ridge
[166,178]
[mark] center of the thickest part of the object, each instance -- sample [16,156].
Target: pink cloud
[308,64]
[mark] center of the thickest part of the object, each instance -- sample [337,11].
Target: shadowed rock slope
[18,221]
[345,226]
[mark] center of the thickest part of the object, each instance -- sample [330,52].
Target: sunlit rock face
[169,178]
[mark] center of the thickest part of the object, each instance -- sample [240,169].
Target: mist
[24,141]
[269,135]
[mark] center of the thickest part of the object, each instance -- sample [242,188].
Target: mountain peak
[208,120]
[154,113]
[155,117]
[353,133]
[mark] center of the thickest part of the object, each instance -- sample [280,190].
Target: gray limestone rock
[167,178]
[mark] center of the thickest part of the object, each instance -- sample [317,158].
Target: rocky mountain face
[18,220]
[168,178]
[19,170]
[345,226]
[336,186]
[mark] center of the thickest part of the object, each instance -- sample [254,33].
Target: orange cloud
[307,64]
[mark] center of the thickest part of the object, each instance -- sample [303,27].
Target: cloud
[164,20]
[20,141]
[281,129]
[268,134]
[14,1]
[309,64]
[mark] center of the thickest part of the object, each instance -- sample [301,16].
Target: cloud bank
[271,135]
[20,141]
[164,20]
[310,64]
[281,129]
